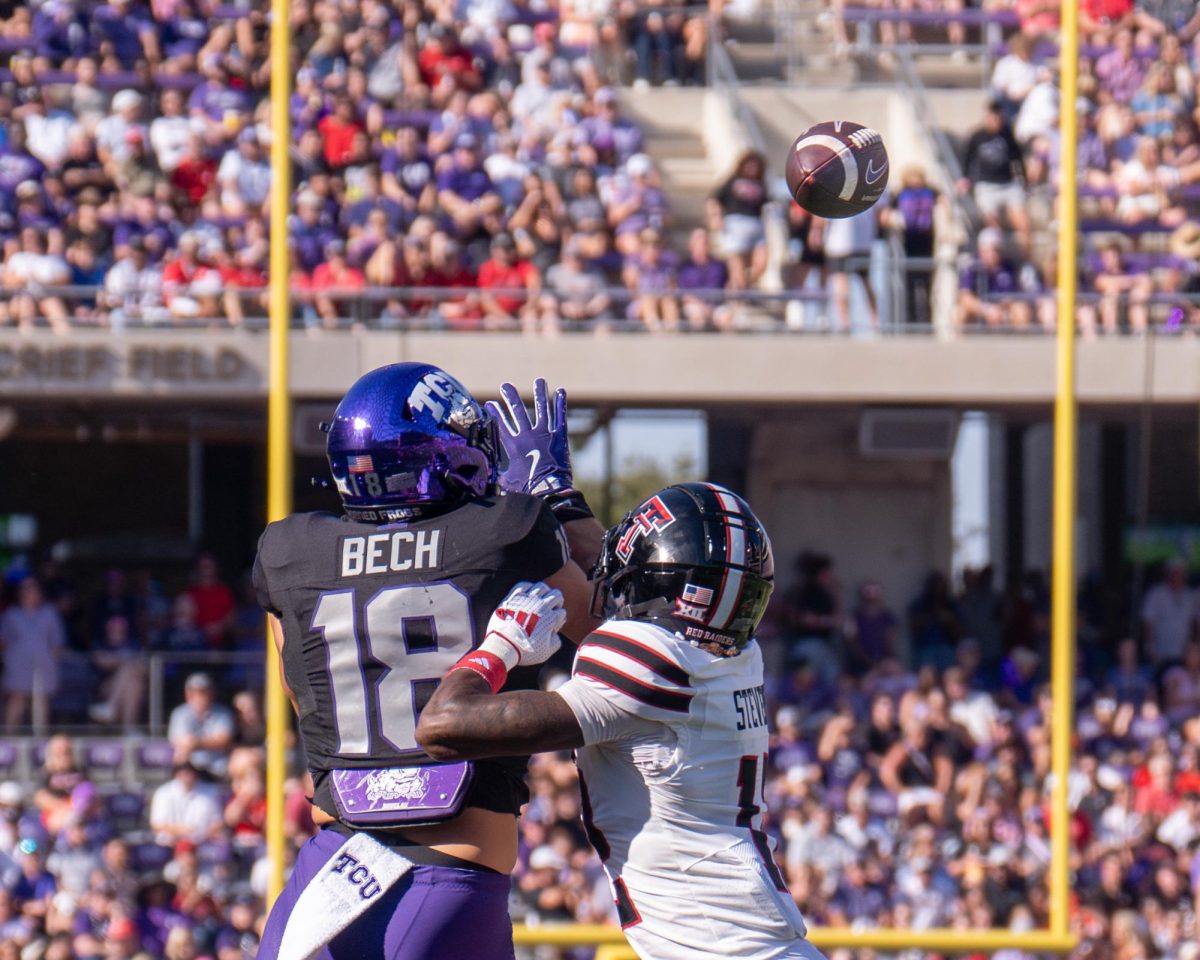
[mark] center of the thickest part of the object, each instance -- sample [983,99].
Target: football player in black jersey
[369,609]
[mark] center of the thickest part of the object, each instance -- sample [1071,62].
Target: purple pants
[432,913]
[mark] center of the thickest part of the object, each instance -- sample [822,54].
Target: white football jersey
[671,772]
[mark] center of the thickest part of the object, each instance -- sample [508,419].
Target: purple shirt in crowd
[470,184]
[219,101]
[614,141]
[712,275]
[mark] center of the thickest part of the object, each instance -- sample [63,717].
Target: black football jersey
[374,615]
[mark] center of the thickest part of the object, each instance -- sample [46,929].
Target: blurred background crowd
[907,785]
[447,149]
[468,166]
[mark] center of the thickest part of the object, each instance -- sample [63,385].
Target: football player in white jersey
[665,707]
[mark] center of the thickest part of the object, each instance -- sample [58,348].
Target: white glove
[524,629]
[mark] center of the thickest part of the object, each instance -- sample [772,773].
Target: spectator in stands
[933,626]
[811,612]
[701,276]
[1157,106]
[214,600]
[535,223]
[466,192]
[613,140]
[1014,76]
[913,215]
[334,276]
[994,173]
[201,730]
[1123,291]
[575,292]
[848,243]
[1143,183]
[1169,615]
[61,776]
[407,175]
[32,637]
[1120,71]
[736,213]
[28,270]
[185,808]
[871,631]
[1181,686]
[244,176]
[650,276]
[990,288]
[1038,114]
[122,669]
[516,282]
[189,286]
[637,203]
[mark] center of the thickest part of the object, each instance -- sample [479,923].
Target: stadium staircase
[673,119]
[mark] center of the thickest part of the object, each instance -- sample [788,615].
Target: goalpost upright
[279,447]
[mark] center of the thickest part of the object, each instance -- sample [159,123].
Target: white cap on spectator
[606,95]
[546,858]
[639,165]
[1109,778]
[198,681]
[11,794]
[991,237]
[126,100]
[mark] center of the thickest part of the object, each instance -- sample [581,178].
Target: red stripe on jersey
[631,686]
[646,655]
[627,913]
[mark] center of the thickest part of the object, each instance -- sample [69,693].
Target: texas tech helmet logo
[651,515]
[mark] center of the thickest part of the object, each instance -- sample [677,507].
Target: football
[837,169]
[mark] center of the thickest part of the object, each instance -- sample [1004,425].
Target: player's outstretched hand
[538,453]
[524,628]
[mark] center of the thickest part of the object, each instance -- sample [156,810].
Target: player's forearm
[584,537]
[464,720]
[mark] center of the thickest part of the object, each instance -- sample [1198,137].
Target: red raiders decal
[652,515]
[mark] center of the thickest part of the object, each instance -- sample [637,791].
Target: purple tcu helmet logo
[446,400]
[401,784]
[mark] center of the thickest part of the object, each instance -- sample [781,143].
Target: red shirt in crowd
[178,275]
[214,603]
[1109,11]
[194,176]
[327,277]
[494,275]
[433,63]
[339,134]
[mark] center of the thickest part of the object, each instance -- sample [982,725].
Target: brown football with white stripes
[837,169]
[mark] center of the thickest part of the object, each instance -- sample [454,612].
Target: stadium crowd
[1139,172]
[471,148]
[905,791]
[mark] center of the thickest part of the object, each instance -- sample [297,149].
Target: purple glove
[538,453]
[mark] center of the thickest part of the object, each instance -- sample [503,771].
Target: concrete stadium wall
[884,520]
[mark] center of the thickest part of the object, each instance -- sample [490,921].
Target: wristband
[487,665]
[568,505]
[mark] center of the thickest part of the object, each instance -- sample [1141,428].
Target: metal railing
[750,311]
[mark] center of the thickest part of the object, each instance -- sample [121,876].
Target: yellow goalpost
[1057,938]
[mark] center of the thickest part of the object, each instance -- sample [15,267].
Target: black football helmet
[693,554]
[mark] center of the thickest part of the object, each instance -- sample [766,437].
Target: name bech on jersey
[393,552]
[751,706]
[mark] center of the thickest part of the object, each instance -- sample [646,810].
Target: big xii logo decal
[652,515]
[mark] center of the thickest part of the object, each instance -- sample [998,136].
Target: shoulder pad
[637,661]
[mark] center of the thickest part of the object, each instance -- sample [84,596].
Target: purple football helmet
[408,440]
